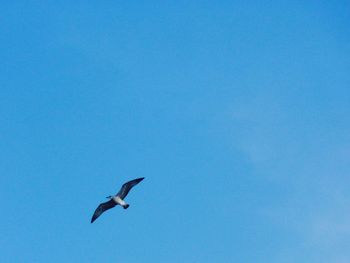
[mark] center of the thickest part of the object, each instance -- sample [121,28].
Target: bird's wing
[101,208]
[123,192]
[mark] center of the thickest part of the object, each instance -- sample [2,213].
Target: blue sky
[236,113]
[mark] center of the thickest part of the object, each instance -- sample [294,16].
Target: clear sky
[236,112]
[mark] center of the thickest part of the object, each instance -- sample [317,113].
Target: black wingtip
[93,218]
[138,179]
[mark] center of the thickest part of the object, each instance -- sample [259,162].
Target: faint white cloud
[310,159]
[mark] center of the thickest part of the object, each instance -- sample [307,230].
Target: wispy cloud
[311,159]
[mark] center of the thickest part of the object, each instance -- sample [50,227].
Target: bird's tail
[126,206]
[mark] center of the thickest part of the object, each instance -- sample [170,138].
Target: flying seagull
[117,199]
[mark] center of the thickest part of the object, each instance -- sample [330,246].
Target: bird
[117,199]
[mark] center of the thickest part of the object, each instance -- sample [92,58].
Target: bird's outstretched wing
[123,192]
[101,208]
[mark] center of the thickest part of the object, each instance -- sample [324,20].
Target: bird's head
[109,197]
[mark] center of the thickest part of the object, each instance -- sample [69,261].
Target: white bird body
[119,201]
